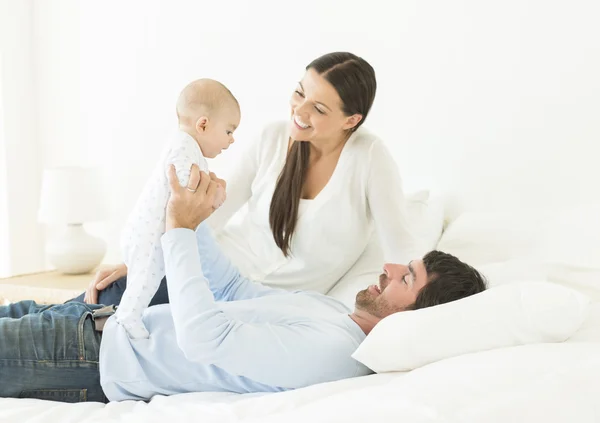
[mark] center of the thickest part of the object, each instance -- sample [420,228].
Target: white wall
[56,35]
[493,102]
[56,46]
[21,166]
[4,237]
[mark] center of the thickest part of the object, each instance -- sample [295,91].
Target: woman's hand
[104,278]
[189,206]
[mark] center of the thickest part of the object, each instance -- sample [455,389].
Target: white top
[332,230]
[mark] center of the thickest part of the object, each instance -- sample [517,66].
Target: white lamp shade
[72,195]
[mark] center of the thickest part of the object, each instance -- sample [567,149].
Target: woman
[314,188]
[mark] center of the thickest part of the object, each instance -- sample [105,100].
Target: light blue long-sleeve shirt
[223,332]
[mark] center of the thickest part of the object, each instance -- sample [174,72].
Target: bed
[545,381]
[535,383]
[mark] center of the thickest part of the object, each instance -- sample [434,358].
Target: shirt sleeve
[387,204]
[224,279]
[183,155]
[282,355]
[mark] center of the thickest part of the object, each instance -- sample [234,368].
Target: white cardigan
[333,229]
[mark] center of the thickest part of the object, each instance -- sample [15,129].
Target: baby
[208,115]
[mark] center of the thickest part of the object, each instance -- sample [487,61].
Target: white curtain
[4,237]
[21,237]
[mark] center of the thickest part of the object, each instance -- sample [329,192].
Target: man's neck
[364,320]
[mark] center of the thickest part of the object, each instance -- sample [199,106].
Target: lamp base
[74,251]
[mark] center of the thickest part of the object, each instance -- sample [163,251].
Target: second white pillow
[508,315]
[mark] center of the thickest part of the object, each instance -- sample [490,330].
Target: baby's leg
[143,257]
[143,250]
[144,276]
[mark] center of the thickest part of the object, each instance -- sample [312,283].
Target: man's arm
[224,279]
[188,208]
[288,353]
[292,354]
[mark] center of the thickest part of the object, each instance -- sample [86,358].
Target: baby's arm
[183,157]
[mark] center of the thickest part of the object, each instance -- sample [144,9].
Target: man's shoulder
[326,300]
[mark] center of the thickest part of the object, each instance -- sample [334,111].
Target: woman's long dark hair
[354,80]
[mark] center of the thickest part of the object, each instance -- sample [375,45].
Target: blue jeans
[49,352]
[113,293]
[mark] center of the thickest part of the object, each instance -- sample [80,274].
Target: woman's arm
[387,204]
[364,272]
[239,185]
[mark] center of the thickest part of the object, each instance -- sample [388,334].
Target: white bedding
[541,382]
[550,383]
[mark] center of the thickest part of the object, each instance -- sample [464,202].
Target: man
[220,332]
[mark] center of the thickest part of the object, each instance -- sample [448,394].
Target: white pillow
[570,235]
[561,244]
[490,237]
[512,271]
[508,315]
[582,278]
[588,332]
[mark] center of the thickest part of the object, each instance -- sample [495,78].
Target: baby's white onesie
[140,240]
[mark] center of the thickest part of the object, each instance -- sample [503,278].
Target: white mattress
[542,382]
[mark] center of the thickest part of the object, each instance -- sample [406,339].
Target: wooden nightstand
[44,287]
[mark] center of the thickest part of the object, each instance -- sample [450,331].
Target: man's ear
[352,121]
[201,124]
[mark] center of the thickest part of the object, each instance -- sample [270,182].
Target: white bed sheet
[553,383]
[550,383]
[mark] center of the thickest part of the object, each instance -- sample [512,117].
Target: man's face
[397,289]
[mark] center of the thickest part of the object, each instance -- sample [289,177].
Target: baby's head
[208,112]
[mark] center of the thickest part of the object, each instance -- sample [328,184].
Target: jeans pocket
[62,395]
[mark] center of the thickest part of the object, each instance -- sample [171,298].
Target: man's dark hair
[449,279]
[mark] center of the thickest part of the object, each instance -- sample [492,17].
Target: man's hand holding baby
[189,206]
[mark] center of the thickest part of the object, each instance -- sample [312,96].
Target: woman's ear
[201,124]
[352,121]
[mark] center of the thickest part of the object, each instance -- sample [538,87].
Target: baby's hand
[219,197]
[221,193]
